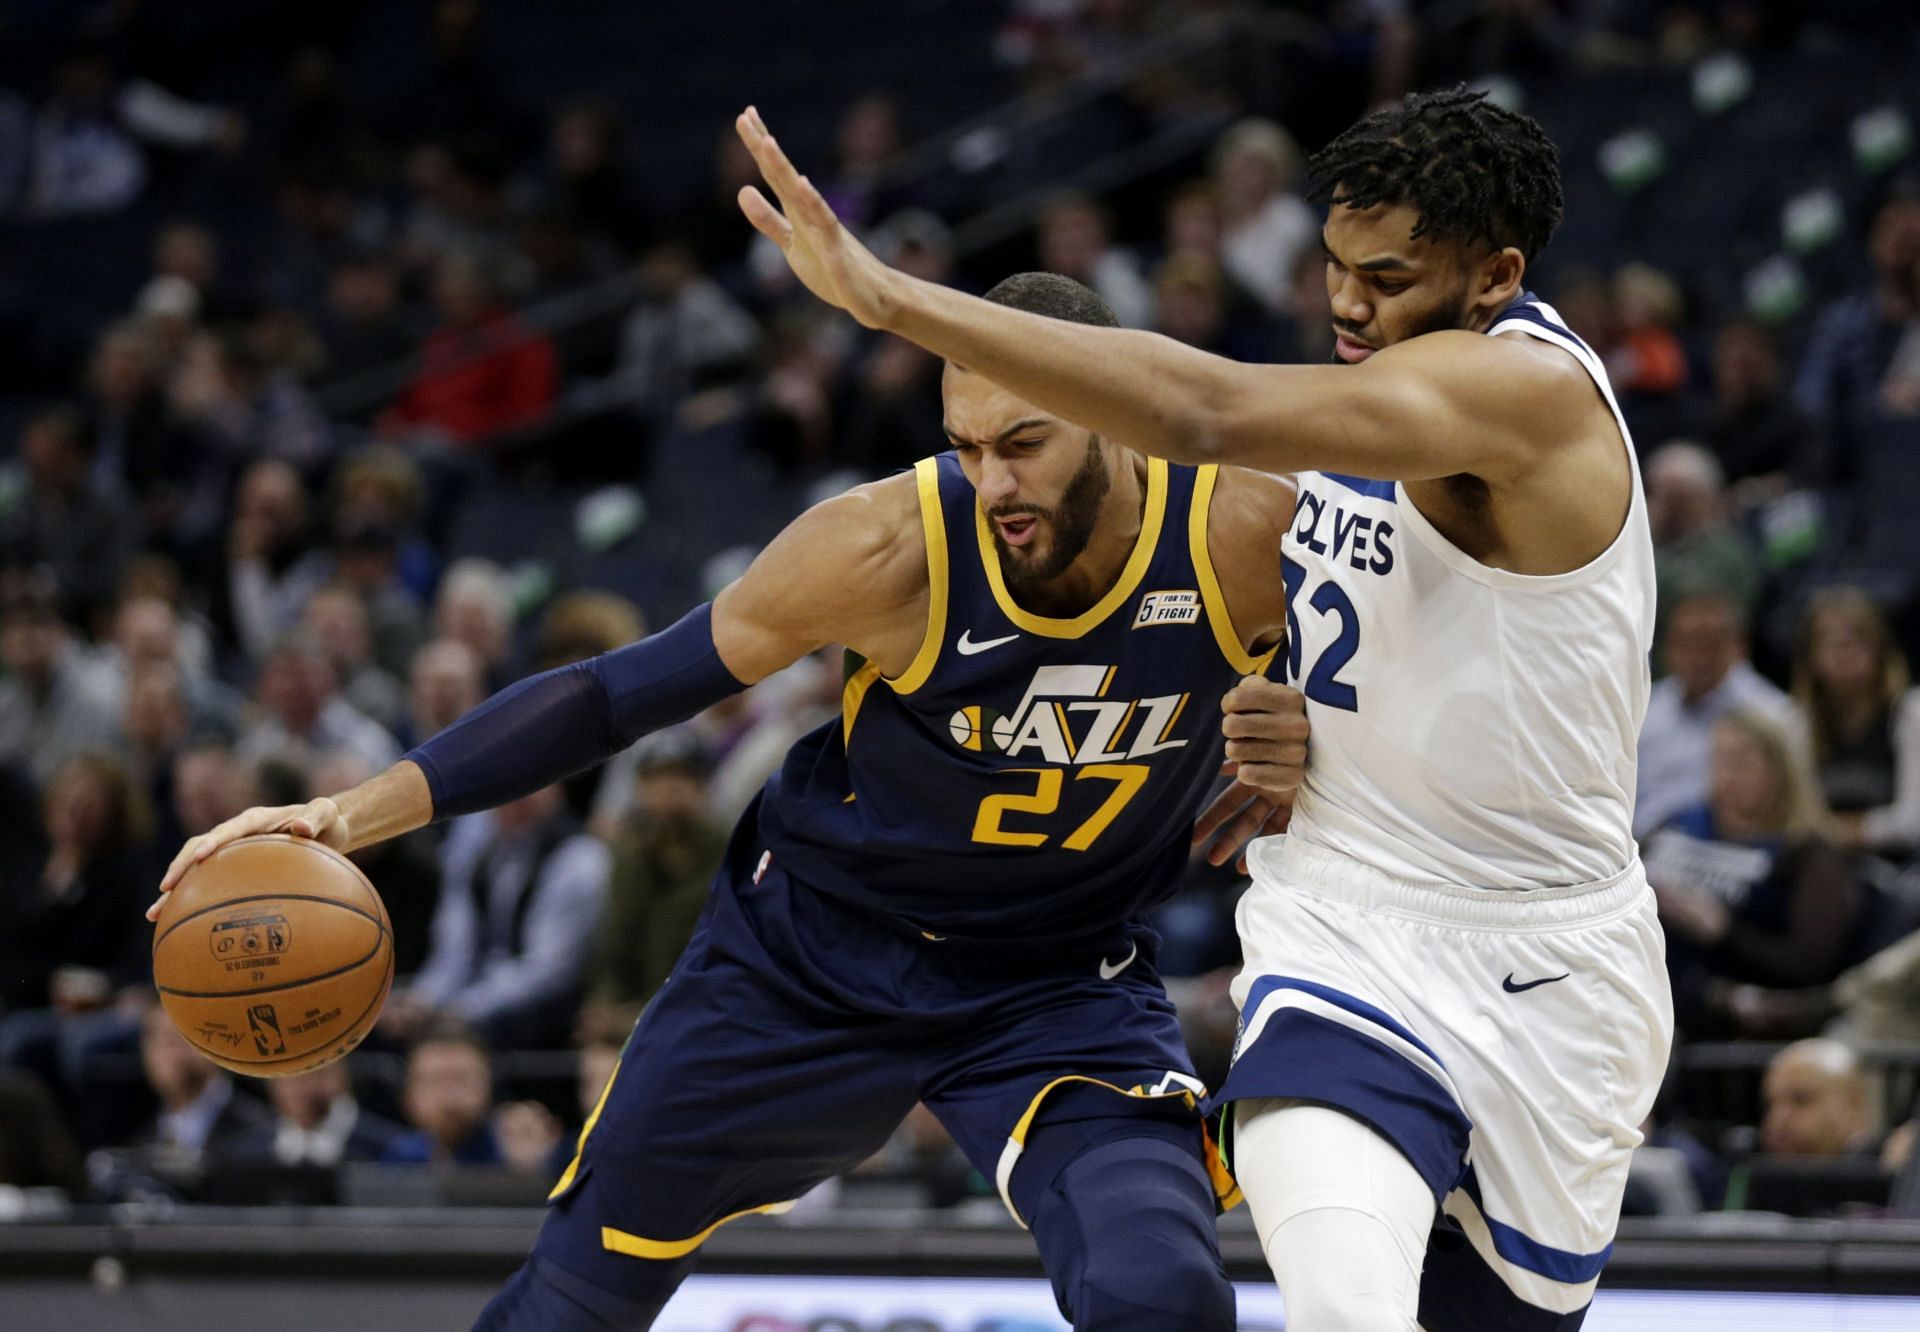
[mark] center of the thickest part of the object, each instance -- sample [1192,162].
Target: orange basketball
[273,955]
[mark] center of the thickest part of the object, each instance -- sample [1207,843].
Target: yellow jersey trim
[1230,643]
[926,475]
[853,696]
[572,1171]
[639,1246]
[1151,520]
[1017,1140]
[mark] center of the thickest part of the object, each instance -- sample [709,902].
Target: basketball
[273,955]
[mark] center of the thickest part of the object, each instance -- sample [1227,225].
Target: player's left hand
[1266,731]
[824,255]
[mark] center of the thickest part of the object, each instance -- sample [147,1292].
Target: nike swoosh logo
[968,647]
[1108,971]
[1511,988]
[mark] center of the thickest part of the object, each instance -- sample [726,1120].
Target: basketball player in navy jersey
[940,896]
[1454,1008]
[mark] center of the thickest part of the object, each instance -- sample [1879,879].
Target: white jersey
[1471,726]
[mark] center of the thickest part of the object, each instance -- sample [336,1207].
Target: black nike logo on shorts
[1511,988]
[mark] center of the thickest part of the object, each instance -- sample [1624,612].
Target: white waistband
[1293,864]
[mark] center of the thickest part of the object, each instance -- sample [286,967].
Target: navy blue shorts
[795,1035]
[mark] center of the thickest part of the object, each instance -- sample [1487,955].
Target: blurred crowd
[227,578]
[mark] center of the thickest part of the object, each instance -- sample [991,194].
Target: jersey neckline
[1152,517]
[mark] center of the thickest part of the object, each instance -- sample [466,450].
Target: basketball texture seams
[273,955]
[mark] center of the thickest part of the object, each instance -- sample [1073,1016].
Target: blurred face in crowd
[122,370]
[461,290]
[1040,480]
[305,1098]
[1746,365]
[1385,285]
[1846,651]
[1191,301]
[1894,244]
[473,617]
[295,684]
[1816,1101]
[1072,237]
[271,495]
[337,619]
[55,455]
[1193,223]
[175,1070]
[188,251]
[597,1063]
[869,135]
[156,710]
[1683,495]
[1743,786]
[449,1090]
[1704,642]
[671,794]
[146,632]
[30,642]
[207,789]
[527,812]
[445,683]
[76,807]
[580,141]
[364,291]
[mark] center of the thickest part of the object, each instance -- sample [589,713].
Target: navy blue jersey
[1027,778]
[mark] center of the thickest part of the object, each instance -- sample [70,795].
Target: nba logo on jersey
[1177,607]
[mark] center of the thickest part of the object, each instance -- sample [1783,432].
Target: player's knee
[1128,1232]
[1339,1270]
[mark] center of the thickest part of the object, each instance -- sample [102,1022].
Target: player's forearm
[1147,391]
[389,805]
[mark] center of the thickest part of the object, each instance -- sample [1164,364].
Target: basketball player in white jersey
[1454,1009]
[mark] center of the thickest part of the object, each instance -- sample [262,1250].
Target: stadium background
[357,359]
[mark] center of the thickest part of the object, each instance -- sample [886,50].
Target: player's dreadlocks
[1472,170]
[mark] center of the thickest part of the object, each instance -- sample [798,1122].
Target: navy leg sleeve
[1126,1230]
[543,1298]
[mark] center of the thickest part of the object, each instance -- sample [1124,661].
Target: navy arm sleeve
[552,725]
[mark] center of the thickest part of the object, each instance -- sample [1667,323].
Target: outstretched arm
[851,570]
[1430,407]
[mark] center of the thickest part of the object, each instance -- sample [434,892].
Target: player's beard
[1069,524]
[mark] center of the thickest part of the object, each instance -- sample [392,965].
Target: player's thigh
[733,1095]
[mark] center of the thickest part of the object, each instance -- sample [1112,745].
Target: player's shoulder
[1247,503]
[872,532]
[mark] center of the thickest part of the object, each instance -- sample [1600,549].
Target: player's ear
[1500,279]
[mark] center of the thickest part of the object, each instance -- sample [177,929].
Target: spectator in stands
[1695,542]
[200,1112]
[866,142]
[36,1148]
[483,373]
[1265,225]
[148,635]
[154,725]
[1190,302]
[240,407]
[585,623]
[1854,338]
[445,683]
[1192,222]
[1304,333]
[366,562]
[1648,360]
[664,856]
[381,486]
[56,699]
[58,511]
[273,567]
[317,1122]
[363,327]
[449,1102]
[1861,719]
[1764,443]
[1750,892]
[1708,676]
[584,179]
[600,1052]
[1816,1102]
[136,441]
[523,890]
[336,620]
[301,715]
[475,607]
[1074,238]
[687,333]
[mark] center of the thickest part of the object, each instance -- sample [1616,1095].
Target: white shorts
[1509,1043]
